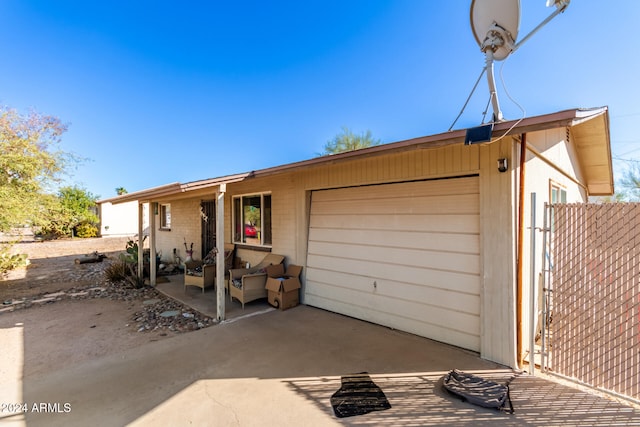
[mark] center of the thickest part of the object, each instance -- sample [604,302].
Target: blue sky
[156,92]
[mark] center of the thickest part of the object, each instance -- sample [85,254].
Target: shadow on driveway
[281,368]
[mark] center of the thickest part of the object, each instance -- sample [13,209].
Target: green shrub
[53,230]
[135,281]
[86,229]
[123,270]
[117,270]
[9,261]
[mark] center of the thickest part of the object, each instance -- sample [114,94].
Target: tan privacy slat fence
[595,281]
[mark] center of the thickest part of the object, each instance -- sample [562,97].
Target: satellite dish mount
[495,25]
[497,41]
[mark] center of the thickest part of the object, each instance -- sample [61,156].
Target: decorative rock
[54,295]
[78,294]
[158,312]
[169,313]
[43,300]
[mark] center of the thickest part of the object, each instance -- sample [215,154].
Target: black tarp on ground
[358,395]
[478,391]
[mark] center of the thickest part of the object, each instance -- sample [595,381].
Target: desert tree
[630,183]
[31,163]
[349,141]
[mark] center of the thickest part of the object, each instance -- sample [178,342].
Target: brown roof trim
[564,118]
[212,182]
[512,127]
[173,189]
[144,194]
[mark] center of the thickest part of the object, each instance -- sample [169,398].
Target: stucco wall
[290,203]
[556,146]
[290,194]
[121,219]
[185,226]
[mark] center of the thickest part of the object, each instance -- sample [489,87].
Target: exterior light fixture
[503,165]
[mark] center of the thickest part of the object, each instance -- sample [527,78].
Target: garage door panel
[422,293]
[465,243]
[460,262]
[454,204]
[434,315]
[431,296]
[448,223]
[403,255]
[468,185]
[455,281]
[456,328]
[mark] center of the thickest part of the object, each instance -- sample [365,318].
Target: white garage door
[402,255]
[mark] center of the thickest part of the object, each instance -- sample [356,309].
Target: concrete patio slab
[281,368]
[206,302]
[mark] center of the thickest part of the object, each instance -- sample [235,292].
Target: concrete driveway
[275,368]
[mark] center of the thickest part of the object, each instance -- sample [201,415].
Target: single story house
[121,219]
[428,235]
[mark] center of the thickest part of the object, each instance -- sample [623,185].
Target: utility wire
[468,98]
[625,160]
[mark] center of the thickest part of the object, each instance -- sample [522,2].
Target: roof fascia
[564,118]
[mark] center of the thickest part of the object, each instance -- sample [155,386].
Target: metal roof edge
[142,194]
[569,117]
[512,127]
[175,188]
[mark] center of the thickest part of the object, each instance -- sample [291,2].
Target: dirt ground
[52,265]
[65,331]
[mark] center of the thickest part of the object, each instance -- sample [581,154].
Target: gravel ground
[70,312]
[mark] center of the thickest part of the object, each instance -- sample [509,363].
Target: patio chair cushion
[210,258]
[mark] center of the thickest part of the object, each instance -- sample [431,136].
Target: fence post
[532,289]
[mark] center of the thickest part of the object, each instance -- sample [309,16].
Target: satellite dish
[558,3]
[495,25]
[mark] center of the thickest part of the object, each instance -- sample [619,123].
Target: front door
[208,220]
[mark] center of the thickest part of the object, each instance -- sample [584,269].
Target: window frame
[165,221]
[235,221]
[560,190]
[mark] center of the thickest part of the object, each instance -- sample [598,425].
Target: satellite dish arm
[561,5]
[495,103]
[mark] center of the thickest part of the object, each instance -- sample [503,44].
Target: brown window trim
[253,247]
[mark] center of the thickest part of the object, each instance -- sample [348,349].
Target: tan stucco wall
[185,225]
[556,146]
[291,202]
[498,215]
[291,194]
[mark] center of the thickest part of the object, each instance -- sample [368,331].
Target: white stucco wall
[121,219]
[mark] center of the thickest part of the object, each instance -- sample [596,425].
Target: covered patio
[207,302]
